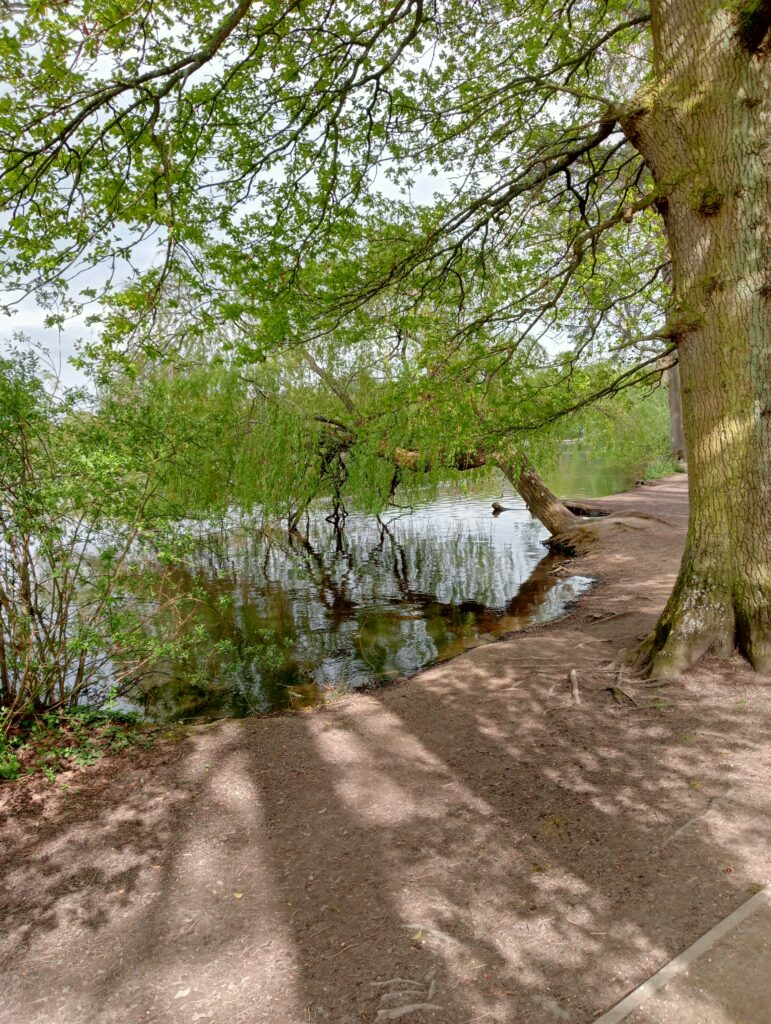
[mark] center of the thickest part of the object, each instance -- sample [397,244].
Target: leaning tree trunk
[545,506]
[704,132]
[540,501]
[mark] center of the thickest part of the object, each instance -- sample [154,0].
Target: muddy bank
[469,846]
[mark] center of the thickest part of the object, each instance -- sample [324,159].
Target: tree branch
[326,377]
[624,213]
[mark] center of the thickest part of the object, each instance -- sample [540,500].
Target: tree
[83,497]
[700,133]
[565,134]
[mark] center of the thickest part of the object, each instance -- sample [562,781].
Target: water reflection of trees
[339,606]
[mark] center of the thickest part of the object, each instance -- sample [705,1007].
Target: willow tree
[582,152]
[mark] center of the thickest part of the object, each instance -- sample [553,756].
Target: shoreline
[620,501]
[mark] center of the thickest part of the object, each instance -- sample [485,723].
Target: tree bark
[676,429]
[703,131]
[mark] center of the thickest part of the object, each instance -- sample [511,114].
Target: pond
[292,623]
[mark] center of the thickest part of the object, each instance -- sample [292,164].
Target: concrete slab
[723,978]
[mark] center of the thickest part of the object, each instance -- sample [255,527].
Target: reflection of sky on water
[385,598]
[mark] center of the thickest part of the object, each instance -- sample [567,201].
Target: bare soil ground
[469,846]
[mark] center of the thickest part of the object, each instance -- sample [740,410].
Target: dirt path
[471,842]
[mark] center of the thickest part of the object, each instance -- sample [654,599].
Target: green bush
[83,506]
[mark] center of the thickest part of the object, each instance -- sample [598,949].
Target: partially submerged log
[578,508]
[498,508]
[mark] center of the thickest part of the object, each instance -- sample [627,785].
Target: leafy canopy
[265,159]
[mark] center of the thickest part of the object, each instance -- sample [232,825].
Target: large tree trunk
[704,132]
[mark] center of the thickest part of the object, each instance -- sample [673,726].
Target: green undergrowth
[53,742]
[664,465]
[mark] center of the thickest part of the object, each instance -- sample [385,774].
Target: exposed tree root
[573,679]
[580,539]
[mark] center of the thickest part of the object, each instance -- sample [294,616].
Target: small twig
[357,941]
[573,679]
[577,924]
[692,821]
[396,981]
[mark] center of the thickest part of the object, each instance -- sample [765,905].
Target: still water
[289,623]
